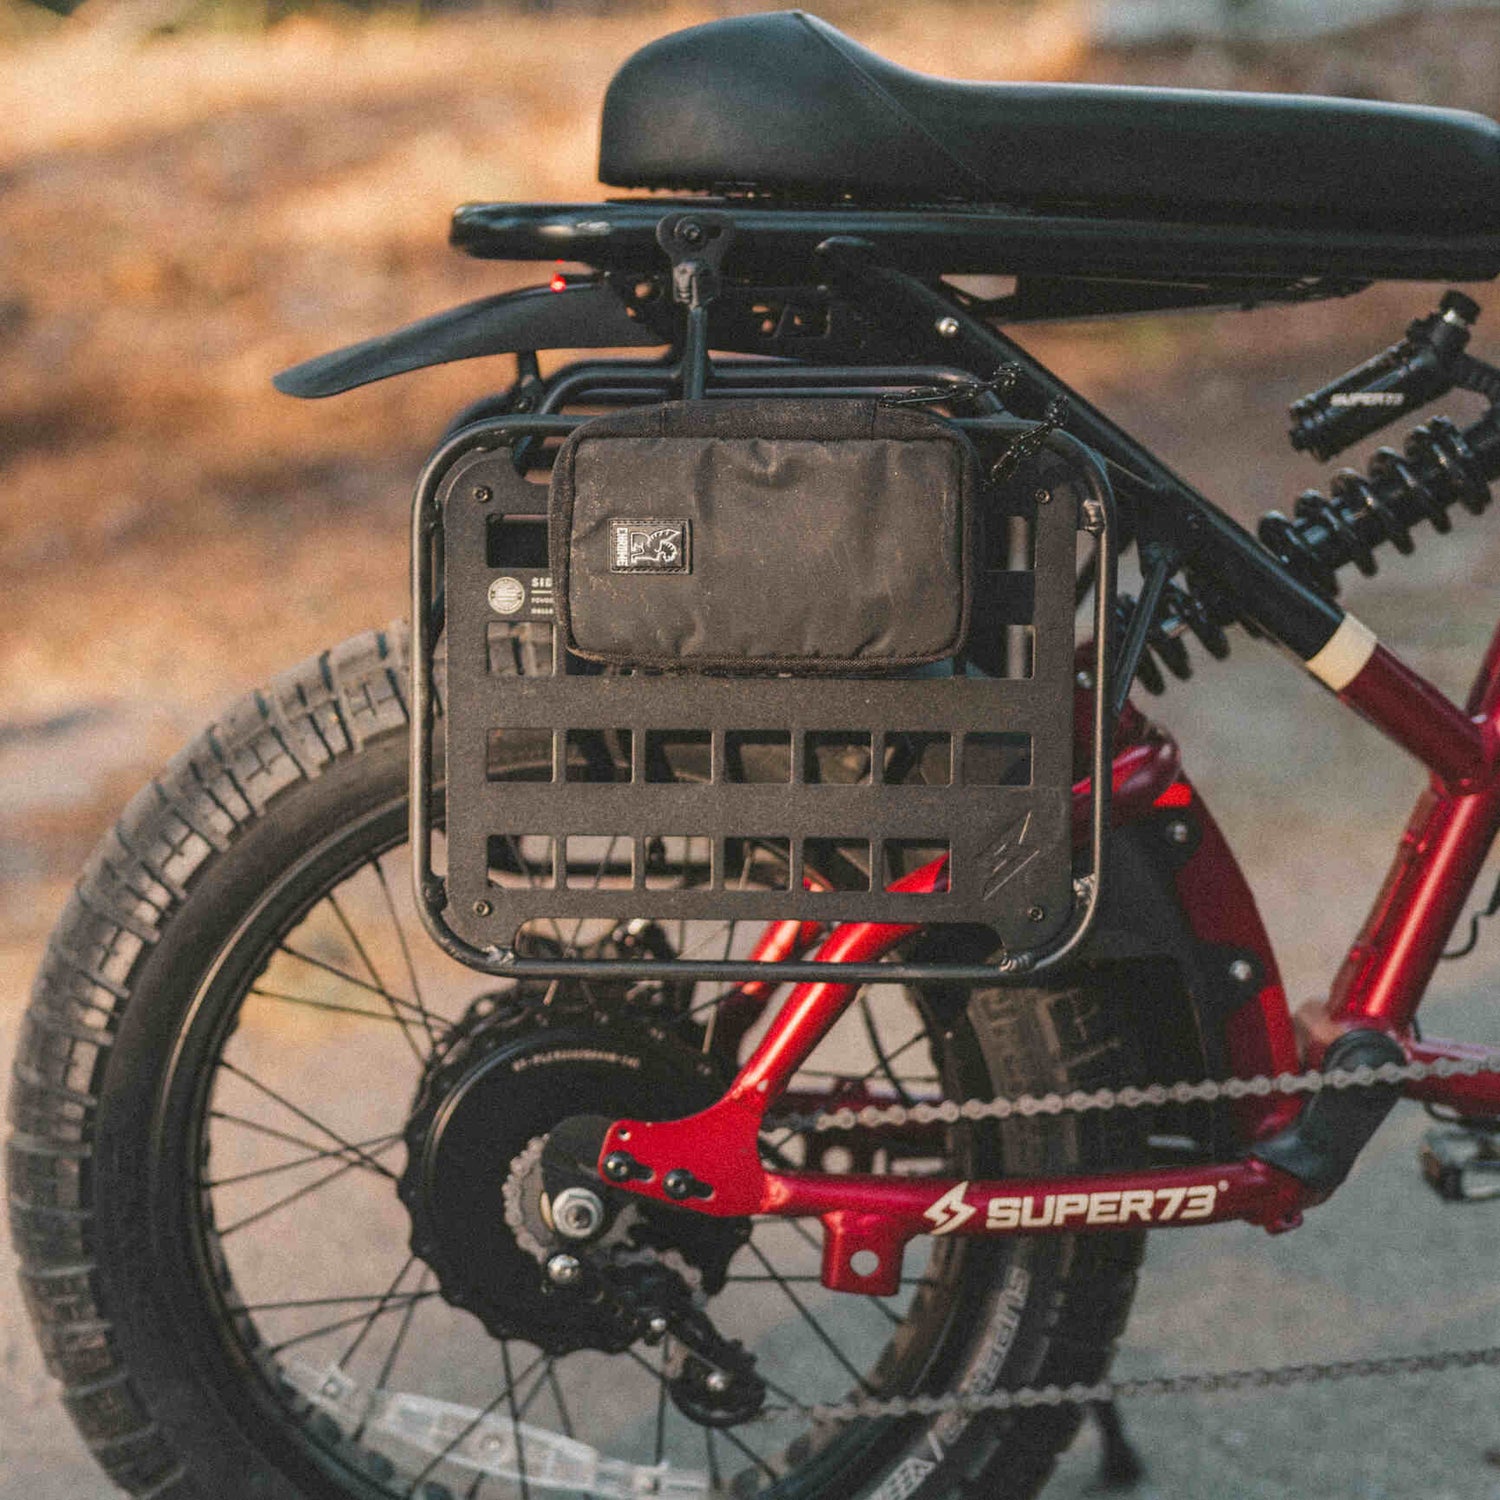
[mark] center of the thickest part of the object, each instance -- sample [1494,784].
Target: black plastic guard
[590,316]
[1321,1145]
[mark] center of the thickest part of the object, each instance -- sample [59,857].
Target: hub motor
[481,1219]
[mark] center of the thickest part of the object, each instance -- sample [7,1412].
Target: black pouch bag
[817,536]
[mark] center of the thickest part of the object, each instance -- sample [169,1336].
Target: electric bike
[717,1003]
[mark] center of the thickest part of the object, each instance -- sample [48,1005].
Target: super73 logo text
[1044,1211]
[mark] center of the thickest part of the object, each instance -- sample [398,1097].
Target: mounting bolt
[564,1270]
[577,1214]
[482,908]
[1042,497]
[483,494]
[657,1327]
[1242,971]
[1085,680]
[1178,832]
[947,328]
[679,1184]
[690,232]
[1036,913]
[718,1382]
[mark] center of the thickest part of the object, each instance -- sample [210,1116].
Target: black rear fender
[582,316]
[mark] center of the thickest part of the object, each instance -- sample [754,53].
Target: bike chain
[1081,1101]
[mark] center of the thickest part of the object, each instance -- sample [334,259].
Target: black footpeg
[1462,1166]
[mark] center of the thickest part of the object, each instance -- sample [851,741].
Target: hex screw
[691,233]
[483,494]
[620,1166]
[1085,680]
[564,1270]
[1036,913]
[482,908]
[1042,497]
[1177,832]
[947,328]
[679,1184]
[718,1382]
[1242,971]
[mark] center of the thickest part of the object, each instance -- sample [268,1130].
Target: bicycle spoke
[661,1406]
[715,1478]
[259,1129]
[394,1305]
[375,1313]
[888,1059]
[315,1154]
[303,1115]
[332,899]
[882,1061]
[394,1001]
[388,1365]
[296,1197]
[834,1077]
[537,1387]
[406,958]
[296,1302]
[818,1330]
[514,844]
[751,1454]
[515,1419]
[557,1396]
[594,885]
[468,1431]
[328,1005]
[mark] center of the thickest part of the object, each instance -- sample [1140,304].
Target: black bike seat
[783,102]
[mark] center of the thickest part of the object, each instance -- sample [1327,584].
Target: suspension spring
[1437,470]
[1440,467]
[1195,610]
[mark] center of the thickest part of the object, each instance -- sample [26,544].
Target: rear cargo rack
[813,770]
[620,235]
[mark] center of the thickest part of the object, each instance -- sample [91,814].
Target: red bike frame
[868,1219]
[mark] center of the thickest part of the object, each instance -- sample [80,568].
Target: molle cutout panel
[670,796]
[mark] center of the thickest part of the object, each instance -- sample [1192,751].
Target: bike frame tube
[868,1220]
[1440,856]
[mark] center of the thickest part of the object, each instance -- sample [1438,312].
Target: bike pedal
[1462,1166]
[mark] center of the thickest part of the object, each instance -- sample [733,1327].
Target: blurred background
[195,193]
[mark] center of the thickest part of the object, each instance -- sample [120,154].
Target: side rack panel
[644,798]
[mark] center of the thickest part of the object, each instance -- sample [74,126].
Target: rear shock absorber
[1439,467]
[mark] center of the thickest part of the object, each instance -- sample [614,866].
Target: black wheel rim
[304,1358]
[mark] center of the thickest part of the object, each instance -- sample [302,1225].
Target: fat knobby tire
[78,1112]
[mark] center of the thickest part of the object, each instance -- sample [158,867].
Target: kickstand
[1120,1466]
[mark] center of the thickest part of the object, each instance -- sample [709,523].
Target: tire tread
[144,869]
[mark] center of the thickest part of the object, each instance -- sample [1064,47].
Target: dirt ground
[179,219]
